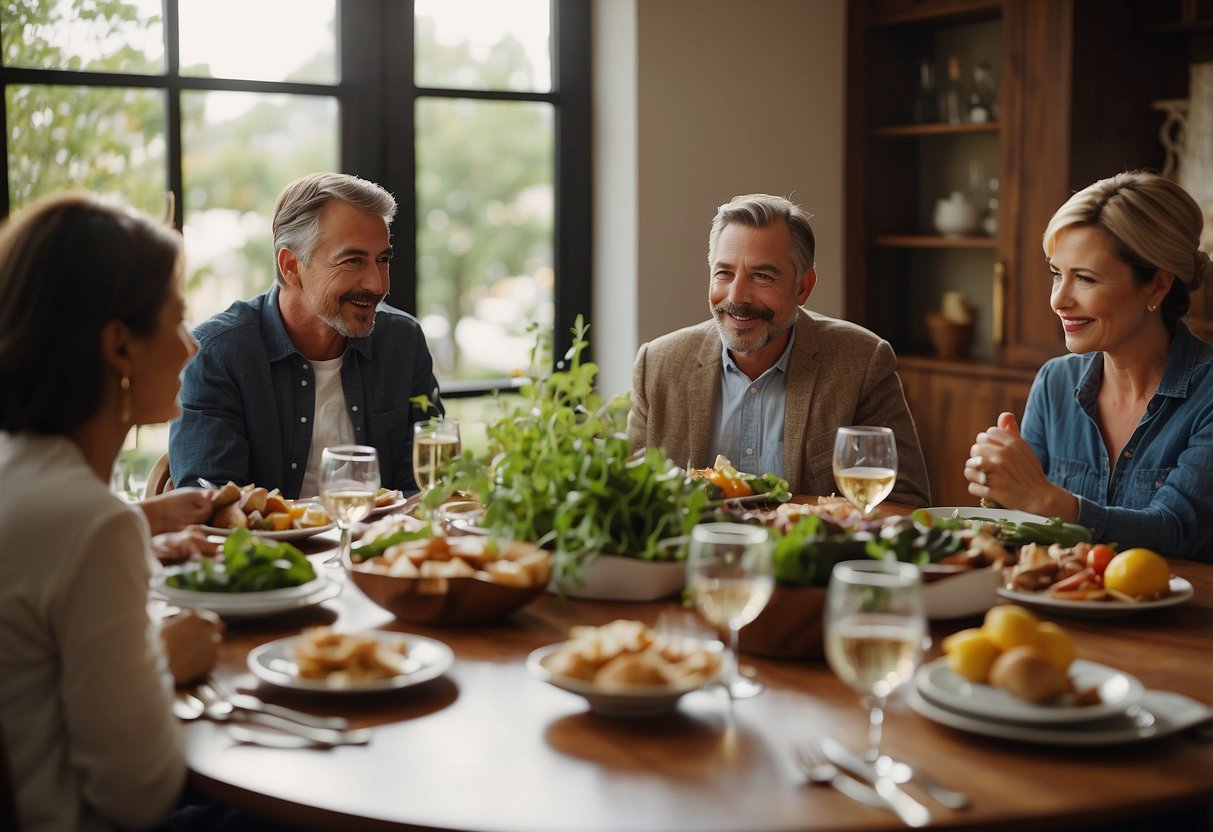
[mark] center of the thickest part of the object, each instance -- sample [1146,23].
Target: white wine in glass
[349,478]
[865,465]
[435,444]
[875,631]
[731,576]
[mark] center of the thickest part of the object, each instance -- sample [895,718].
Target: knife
[911,812]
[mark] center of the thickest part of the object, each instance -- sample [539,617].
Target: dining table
[488,747]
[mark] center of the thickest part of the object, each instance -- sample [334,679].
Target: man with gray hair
[767,383]
[316,360]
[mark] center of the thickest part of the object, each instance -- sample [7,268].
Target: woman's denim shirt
[1160,494]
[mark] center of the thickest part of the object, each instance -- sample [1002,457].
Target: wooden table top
[489,748]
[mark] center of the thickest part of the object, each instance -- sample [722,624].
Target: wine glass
[865,465]
[731,575]
[875,632]
[435,444]
[349,478]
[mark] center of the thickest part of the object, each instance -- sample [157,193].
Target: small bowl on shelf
[950,340]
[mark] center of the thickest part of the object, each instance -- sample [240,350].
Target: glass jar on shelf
[951,95]
[983,96]
[926,102]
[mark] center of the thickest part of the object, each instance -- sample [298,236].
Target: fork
[813,764]
[248,702]
[221,710]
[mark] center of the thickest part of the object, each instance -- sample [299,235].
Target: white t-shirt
[85,695]
[331,424]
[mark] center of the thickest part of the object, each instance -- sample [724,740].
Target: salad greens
[806,553]
[249,564]
[560,472]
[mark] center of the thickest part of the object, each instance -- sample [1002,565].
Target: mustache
[361,297]
[743,310]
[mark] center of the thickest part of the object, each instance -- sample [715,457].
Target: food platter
[1181,591]
[1159,714]
[1118,691]
[427,659]
[634,702]
[966,512]
[241,605]
[285,534]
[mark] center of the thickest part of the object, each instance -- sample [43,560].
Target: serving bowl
[620,578]
[431,598]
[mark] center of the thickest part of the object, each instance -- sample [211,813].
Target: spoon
[900,772]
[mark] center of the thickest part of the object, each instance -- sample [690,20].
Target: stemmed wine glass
[865,465]
[349,478]
[731,575]
[435,444]
[875,632]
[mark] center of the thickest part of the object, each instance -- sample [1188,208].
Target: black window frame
[376,97]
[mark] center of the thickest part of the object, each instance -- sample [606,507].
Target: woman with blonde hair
[1117,436]
[92,342]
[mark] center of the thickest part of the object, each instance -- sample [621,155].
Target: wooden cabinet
[951,404]
[1076,83]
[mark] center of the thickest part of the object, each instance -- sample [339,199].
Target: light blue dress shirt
[1160,493]
[749,428]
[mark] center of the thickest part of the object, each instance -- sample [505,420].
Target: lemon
[1010,626]
[1137,572]
[1053,642]
[971,653]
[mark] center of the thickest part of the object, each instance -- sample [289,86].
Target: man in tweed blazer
[766,382]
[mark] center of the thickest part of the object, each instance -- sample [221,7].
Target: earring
[1151,308]
[125,385]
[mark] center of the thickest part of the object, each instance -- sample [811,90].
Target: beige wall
[697,101]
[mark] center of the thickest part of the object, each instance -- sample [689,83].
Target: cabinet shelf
[917,130]
[944,11]
[934,241]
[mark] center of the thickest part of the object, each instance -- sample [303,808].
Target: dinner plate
[285,534]
[427,659]
[1117,692]
[236,605]
[1014,516]
[1159,714]
[634,702]
[390,508]
[1181,591]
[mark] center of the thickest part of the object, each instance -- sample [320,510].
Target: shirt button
[303,383]
[1158,483]
[294,466]
[306,367]
[753,391]
[303,419]
[1128,454]
[749,451]
[354,408]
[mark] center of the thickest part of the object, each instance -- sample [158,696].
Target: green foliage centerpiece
[559,471]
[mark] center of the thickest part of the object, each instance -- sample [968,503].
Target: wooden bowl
[791,626]
[438,600]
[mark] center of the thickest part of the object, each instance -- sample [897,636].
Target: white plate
[390,508]
[619,578]
[1117,692]
[1181,590]
[1159,714]
[992,513]
[235,605]
[285,534]
[427,659]
[641,701]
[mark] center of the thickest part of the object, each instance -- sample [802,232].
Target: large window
[474,113]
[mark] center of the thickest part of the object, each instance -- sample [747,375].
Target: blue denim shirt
[248,397]
[1160,494]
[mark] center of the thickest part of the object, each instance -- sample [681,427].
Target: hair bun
[1202,271]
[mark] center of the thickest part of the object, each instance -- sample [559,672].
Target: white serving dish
[962,594]
[619,578]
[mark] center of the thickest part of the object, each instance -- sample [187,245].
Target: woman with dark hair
[91,343]
[1118,436]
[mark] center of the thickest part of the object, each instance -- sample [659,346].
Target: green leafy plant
[560,471]
[249,564]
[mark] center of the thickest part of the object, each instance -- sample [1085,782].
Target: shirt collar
[1186,350]
[278,343]
[781,365]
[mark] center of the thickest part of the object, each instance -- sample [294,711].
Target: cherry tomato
[1099,557]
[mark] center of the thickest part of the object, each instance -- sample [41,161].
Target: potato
[971,653]
[230,493]
[1010,626]
[1029,674]
[230,517]
[254,500]
[276,504]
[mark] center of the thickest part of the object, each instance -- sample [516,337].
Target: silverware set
[252,721]
[826,761]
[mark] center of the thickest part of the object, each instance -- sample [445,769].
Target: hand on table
[191,643]
[176,547]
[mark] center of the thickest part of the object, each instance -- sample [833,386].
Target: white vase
[955,215]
